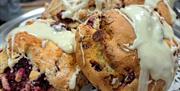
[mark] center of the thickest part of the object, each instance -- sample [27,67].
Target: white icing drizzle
[44,43]
[64,39]
[72,81]
[11,60]
[73,6]
[155,56]
[12,46]
[99,4]
[151,3]
[81,48]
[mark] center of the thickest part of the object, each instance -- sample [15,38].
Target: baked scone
[30,63]
[103,62]
[118,46]
[104,58]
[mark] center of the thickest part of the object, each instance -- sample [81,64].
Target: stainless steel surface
[7,27]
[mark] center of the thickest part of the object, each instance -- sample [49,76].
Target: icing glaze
[155,56]
[64,39]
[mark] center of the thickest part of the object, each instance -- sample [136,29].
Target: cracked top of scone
[30,63]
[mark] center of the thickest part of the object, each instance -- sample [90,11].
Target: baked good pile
[93,45]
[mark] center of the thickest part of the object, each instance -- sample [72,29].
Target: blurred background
[10,9]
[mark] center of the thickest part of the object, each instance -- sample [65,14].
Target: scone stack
[108,45]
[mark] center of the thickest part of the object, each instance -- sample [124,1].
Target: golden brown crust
[163,10]
[28,44]
[45,58]
[130,2]
[158,86]
[90,57]
[22,41]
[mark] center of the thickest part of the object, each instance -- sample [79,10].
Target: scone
[30,63]
[107,45]
[105,56]
[105,64]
